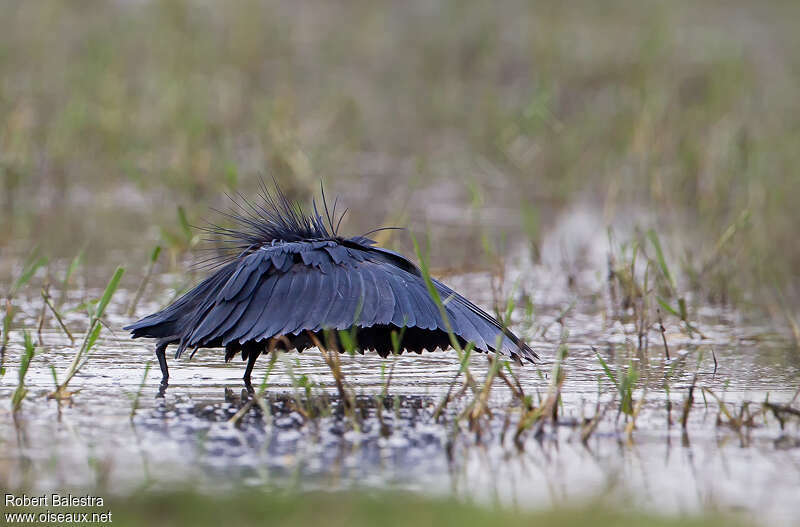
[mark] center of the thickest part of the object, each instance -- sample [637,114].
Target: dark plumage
[290,274]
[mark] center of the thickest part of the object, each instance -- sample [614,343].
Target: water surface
[184,437]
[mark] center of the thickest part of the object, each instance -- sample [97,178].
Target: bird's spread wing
[292,287]
[466,320]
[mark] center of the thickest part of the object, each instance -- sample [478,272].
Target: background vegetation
[440,115]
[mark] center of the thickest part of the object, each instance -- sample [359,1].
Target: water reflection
[181,433]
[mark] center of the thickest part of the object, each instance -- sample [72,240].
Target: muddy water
[183,438]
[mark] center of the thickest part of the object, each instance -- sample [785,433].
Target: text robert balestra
[53,500]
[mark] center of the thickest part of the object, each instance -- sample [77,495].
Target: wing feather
[359,293]
[317,319]
[304,289]
[338,254]
[343,311]
[382,293]
[463,326]
[428,316]
[280,304]
[213,317]
[260,327]
[235,315]
[260,300]
[245,273]
[404,308]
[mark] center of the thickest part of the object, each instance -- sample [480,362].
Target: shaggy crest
[272,218]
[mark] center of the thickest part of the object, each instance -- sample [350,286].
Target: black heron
[291,276]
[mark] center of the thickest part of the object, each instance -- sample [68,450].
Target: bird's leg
[161,347]
[251,361]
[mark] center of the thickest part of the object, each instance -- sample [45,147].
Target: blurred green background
[455,118]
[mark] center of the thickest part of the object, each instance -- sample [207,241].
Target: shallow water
[184,438]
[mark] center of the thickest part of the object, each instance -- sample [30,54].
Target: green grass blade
[609,373]
[109,292]
[666,307]
[27,273]
[73,266]
[662,262]
[27,356]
